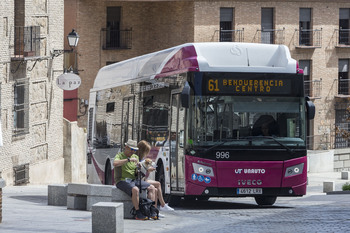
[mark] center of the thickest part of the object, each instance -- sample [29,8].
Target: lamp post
[73,39]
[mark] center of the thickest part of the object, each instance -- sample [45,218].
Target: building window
[306,66]
[343,77]
[305,32]
[267,32]
[226,25]
[113,27]
[21,107]
[344,27]
[113,36]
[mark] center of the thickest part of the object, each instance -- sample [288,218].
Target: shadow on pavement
[214,204]
[39,199]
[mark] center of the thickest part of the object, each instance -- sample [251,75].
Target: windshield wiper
[290,151]
[220,144]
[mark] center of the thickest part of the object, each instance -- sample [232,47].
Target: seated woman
[144,149]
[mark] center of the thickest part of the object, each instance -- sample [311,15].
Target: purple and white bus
[223,119]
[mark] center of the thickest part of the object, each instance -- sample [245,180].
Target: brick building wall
[42,145]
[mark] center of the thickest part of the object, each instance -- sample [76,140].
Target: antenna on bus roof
[247,57]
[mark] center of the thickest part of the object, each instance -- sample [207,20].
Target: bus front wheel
[269,200]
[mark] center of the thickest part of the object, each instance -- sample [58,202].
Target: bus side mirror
[185,96]
[310,109]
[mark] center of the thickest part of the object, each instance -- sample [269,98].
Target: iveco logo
[249,182]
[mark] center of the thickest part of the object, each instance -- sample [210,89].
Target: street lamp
[73,39]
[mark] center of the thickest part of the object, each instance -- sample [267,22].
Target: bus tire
[108,174]
[267,200]
[160,176]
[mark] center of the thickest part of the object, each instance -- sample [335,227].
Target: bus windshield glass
[255,121]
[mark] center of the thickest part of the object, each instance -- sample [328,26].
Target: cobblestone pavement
[25,209]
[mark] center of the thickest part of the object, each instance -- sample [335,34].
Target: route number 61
[222,155]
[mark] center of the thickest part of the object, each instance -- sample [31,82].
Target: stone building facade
[316,32]
[31,103]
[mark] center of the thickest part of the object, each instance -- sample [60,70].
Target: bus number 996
[222,155]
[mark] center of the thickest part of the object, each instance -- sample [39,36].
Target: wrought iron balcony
[271,36]
[116,39]
[312,88]
[343,37]
[27,42]
[311,38]
[344,86]
[229,35]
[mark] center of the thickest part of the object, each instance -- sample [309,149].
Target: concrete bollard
[328,186]
[2,185]
[108,217]
[345,175]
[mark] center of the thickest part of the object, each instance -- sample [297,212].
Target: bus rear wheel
[268,200]
[108,174]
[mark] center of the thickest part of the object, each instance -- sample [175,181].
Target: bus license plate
[249,191]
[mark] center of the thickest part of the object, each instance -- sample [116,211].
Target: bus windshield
[256,121]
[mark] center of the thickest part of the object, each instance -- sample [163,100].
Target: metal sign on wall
[68,81]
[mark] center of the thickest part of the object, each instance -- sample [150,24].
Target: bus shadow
[216,204]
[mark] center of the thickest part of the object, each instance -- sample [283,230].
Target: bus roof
[200,57]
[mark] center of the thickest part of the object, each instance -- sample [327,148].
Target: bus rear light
[203,170]
[294,170]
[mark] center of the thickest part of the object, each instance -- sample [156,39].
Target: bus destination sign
[248,86]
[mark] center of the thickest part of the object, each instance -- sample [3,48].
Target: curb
[338,192]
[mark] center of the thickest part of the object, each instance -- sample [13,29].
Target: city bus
[223,119]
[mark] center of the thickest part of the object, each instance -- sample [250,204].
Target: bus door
[177,158]
[128,113]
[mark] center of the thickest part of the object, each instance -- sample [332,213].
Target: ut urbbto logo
[238,171]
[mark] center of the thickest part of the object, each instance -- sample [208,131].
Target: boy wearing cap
[125,164]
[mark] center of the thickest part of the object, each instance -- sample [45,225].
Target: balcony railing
[313,88]
[229,35]
[309,37]
[343,37]
[116,39]
[344,86]
[27,42]
[271,36]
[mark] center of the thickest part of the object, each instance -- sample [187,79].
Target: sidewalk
[25,209]
[315,182]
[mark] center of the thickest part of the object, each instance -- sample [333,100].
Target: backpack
[146,207]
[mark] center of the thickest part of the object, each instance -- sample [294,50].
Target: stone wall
[342,160]
[42,144]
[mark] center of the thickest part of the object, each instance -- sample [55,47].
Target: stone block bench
[107,217]
[57,194]
[83,196]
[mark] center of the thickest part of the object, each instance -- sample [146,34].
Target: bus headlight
[294,170]
[203,170]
